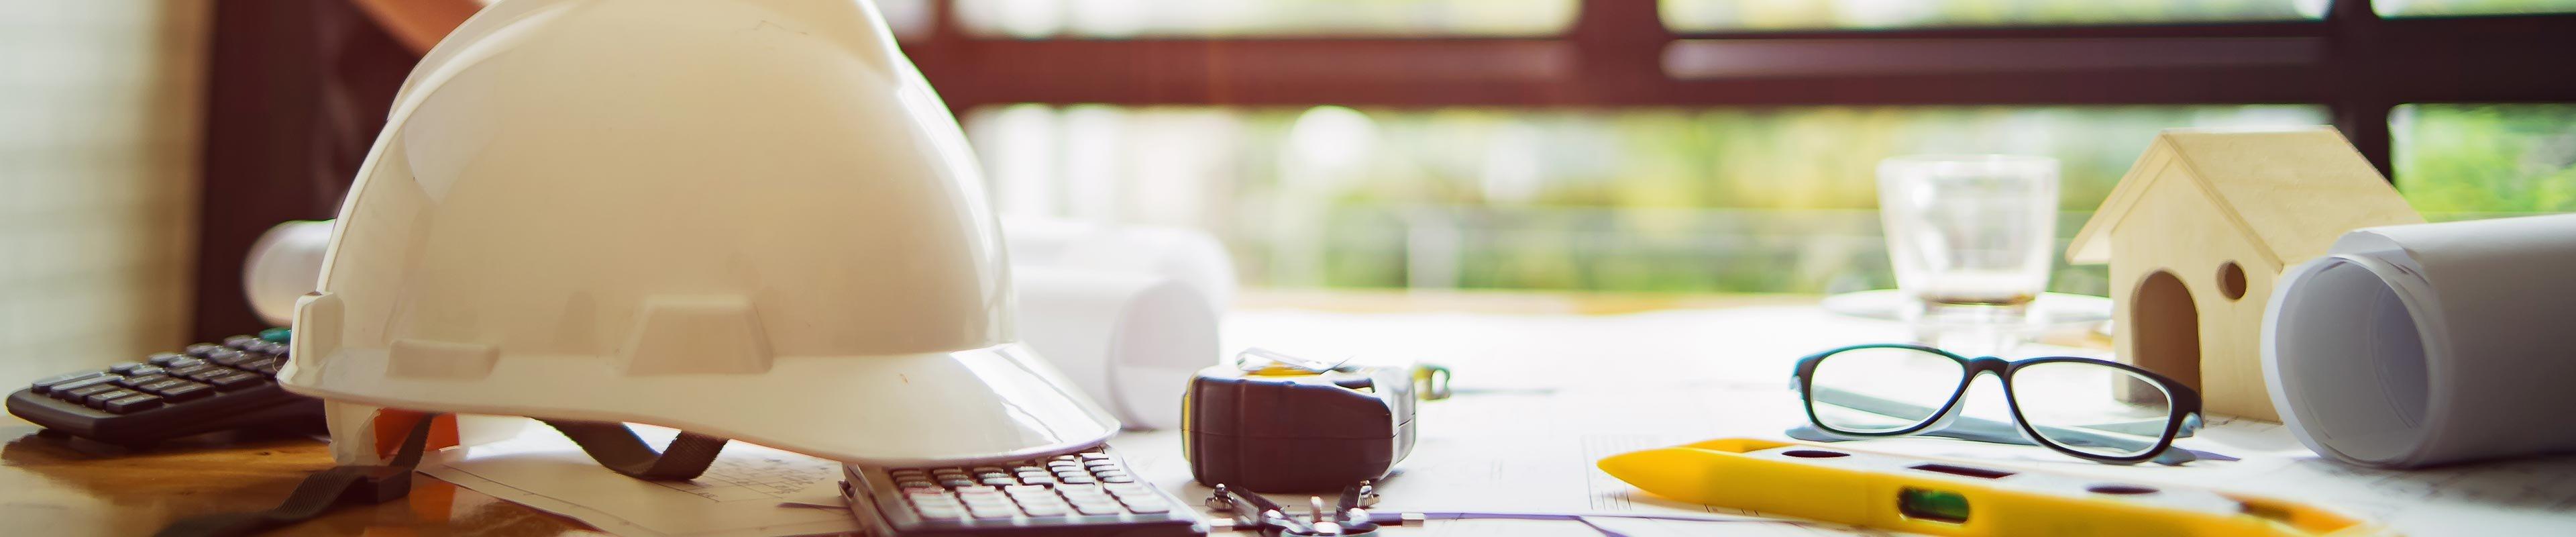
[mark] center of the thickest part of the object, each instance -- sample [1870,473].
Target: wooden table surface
[52,486]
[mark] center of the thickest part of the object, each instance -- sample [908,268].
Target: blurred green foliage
[2466,161]
[1723,200]
[1633,200]
[1662,200]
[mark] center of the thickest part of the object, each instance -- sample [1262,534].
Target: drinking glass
[1970,237]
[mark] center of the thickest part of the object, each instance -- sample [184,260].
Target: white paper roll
[2426,344]
[1132,341]
[1191,257]
[283,264]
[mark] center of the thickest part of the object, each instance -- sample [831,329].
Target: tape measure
[1918,495]
[1272,422]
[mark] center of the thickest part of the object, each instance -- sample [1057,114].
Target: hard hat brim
[981,405]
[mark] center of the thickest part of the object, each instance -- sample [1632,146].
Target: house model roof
[2290,192]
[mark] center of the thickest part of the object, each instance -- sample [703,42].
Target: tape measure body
[1283,429]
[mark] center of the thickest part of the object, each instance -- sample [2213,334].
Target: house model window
[2199,229]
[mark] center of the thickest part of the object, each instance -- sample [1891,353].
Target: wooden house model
[2199,229]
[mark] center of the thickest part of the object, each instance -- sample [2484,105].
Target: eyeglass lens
[1880,389]
[2092,408]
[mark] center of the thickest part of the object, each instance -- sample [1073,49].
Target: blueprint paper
[739,496]
[1129,340]
[2418,345]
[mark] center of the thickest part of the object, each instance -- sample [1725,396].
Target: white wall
[99,129]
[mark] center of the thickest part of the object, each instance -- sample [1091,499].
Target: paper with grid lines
[750,491]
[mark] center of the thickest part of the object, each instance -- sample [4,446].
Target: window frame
[1618,54]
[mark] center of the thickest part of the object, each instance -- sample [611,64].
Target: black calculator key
[80,395]
[46,384]
[236,381]
[240,342]
[130,382]
[203,373]
[262,363]
[135,403]
[128,368]
[185,391]
[164,359]
[164,384]
[227,357]
[98,379]
[200,350]
[100,399]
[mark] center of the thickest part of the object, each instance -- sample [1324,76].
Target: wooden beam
[1607,59]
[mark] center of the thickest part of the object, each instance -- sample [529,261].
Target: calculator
[1076,495]
[204,388]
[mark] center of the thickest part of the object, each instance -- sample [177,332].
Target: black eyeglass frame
[2183,400]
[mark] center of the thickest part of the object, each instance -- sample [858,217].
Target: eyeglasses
[2093,409]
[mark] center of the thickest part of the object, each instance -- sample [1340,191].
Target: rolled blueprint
[1190,257]
[2425,344]
[1132,341]
[285,263]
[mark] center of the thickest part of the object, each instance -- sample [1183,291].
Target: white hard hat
[743,218]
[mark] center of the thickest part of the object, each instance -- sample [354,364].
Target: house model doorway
[2168,328]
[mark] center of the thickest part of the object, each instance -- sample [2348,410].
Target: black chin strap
[616,447]
[612,444]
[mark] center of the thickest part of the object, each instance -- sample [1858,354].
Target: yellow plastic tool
[1910,494]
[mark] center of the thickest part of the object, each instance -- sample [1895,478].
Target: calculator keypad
[204,369]
[1088,483]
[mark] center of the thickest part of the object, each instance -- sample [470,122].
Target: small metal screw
[1217,501]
